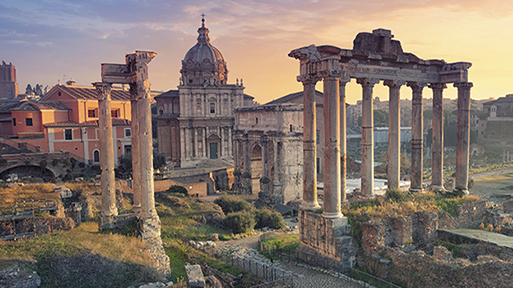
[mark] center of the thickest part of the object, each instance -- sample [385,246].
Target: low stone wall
[198,189]
[43,225]
[325,240]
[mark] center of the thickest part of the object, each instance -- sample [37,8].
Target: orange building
[66,118]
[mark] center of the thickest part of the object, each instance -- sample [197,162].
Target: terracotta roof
[43,105]
[170,93]
[92,123]
[90,93]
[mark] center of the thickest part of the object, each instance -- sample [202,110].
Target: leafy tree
[159,160]
[125,163]
[28,90]
[38,90]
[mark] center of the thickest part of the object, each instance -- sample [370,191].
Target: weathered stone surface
[507,206]
[425,225]
[194,276]
[13,277]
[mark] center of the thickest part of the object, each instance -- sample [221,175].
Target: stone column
[108,181]
[142,59]
[437,154]
[394,133]
[343,136]
[277,169]
[222,151]
[196,143]
[182,143]
[416,137]
[136,156]
[332,199]
[462,136]
[246,176]
[264,181]
[230,142]
[309,144]
[204,142]
[367,135]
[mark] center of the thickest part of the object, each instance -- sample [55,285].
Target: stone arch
[47,174]
[256,152]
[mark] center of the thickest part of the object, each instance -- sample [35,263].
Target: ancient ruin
[134,73]
[375,57]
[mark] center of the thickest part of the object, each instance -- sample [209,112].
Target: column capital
[308,79]
[464,85]
[367,81]
[416,86]
[394,83]
[437,86]
[330,74]
[103,89]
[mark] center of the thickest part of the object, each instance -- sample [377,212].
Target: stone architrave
[367,135]
[309,144]
[394,134]
[437,156]
[108,181]
[416,136]
[332,180]
[462,136]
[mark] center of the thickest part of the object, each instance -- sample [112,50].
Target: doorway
[213,150]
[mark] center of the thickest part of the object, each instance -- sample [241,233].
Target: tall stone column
[196,143]
[462,136]
[246,176]
[136,155]
[182,143]
[230,142]
[264,181]
[416,137]
[223,145]
[437,154]
[343,137]
[237,161]
[332,199]
[394,133]
[309,144]
[277,169]
[367,135]
[204,139]
[108,181]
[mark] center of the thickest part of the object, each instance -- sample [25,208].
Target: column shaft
[416,137]
[146,151]
[136,156]
[332,199]
[309,145]
[437,154]
[367,136]
[462,136]
[108,181]
[394,134]
[182,143]
[343,138]
[246,176]
[196,143]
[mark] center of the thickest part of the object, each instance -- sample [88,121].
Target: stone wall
[198,189]
[43,225]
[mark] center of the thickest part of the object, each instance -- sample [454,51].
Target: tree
[38,90]
[125,163]
[28,90]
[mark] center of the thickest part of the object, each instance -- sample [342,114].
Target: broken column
[416,137]
[309,144]
[462,136]
[108,181]
[367,135]
[437,158]
[394,134]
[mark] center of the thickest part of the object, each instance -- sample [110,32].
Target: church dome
[203,64]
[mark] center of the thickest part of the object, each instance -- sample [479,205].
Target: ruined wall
[198,189]
[43,225]
[292,168]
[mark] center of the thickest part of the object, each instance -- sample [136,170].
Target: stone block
[424,227]
[373,236]
[441,253]
[507,207]
[401,231]
[194,276]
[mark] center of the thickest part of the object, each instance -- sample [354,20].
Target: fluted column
[332,198]
[343,137]
[136,155]
[437,154]
[309,144]
[462,136]
[394,134]
[367,135]
[416,137]
[108,181]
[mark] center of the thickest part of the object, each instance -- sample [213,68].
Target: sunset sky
[48,40]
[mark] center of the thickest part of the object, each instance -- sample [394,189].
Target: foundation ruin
[375,57]
[134,73]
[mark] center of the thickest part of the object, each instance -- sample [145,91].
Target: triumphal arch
[375,58]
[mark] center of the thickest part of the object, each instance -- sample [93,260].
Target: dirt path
[491,173]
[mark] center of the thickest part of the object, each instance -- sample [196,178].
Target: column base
[416,190]
[118,221]
[438,188]
[332,215]
[309,206]
[136,209]
[465,191]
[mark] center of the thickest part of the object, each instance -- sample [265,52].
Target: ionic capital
[103,89]
[416,87]
[394,83]
[308,79]
[437,86]
[365,82]
[463,85]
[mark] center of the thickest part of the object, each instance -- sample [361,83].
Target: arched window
[256,153]
[96,156]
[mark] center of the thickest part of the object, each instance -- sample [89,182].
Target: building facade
[8,84]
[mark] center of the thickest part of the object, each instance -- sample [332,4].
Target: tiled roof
[8,107]
[170,93]
[92,123]
[43,105]
[90,93]
[291,96]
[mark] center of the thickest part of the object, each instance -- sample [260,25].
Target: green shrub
[263,218]
[276,221]
[233,204]
[240,222]
[395,194]
[177,189]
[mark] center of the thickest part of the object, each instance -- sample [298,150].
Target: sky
[52,40]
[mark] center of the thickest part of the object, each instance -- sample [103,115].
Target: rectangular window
[28,122]
[317,135]
[128,132]
[13,121]
[212,108]
[91,113]
[114,113]
[68,134]
[318,164]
